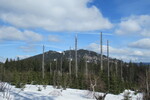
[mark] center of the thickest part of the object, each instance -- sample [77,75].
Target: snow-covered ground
[31,93]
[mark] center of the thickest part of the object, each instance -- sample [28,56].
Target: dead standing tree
[108,64]
[86,66]
[43,74]
[116,67]
[101,51]
[147,83]
[70,59]
[76,59]
[93,85]
[121,71]
[144,79]
[55,74]
[61,63]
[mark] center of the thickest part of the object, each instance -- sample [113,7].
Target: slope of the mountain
[81,54]
[1,63]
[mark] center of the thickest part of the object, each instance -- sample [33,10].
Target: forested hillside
[60,72]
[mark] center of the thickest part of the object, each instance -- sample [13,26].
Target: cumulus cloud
[134,25]
[136,53]
[125,54]
[53,38]
[96,47]
[142,44]
[126,58]
[53,15]
[11,33]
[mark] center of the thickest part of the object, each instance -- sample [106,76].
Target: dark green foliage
[116,86]
[20,85]
[29,71]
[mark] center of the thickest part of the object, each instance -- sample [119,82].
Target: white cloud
[95,47]
[2,59]
[53,15]
[53,38]
[138,53]
[126,58]
[11,33]
[142,44]
[125,54]
[28,48]
[134,25]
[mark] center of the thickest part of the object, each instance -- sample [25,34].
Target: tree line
[60,72]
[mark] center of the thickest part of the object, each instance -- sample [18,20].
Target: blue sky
[26,25]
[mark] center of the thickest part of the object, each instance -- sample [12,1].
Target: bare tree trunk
[56,66]
[1,73]
[43,64]
[93,85]
[54,79]
[121,71]
[76,59]
[101,50]
[108,64]
[116,66]
[147,82]
[61,67]
[70,62]
[70,67]
[86,66]
[86,70]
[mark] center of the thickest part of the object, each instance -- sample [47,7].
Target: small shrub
[33,83]
[136,92]
[127,96]
[100,97]
[64,88]
[5,89]
[23,87]
[44,86]
[39,89]
[59,87]
[2,86]
[20,85]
